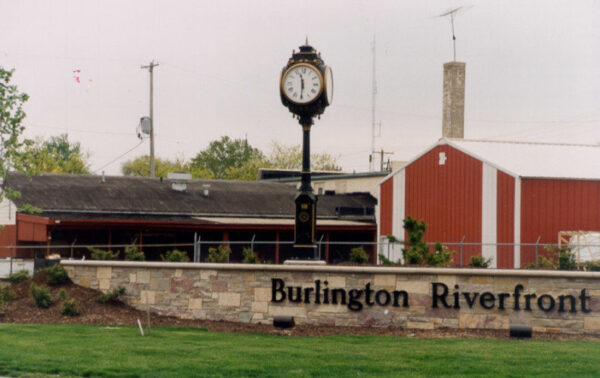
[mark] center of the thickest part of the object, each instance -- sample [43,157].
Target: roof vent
[179,180]
[205,190]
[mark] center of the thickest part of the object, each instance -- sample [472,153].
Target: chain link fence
[333,252]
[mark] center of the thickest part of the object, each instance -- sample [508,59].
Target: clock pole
[306,173]
[306,88]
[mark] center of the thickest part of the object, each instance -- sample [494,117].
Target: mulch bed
[23,310]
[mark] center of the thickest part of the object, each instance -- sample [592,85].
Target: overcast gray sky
[532,72]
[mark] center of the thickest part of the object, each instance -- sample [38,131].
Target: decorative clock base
[307,252]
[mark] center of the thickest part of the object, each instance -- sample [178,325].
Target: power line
[69,130]
[118,157]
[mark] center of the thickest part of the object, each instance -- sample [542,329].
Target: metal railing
[337,251]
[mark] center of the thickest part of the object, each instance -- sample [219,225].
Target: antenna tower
[375,126]
[452,14]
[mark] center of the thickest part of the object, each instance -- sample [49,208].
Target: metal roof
[81,195]
[544,160]
[528,159]
[337,176]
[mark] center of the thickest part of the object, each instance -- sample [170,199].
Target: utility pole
[150,68]
[382,157]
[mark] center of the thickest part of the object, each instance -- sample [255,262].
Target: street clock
[306,85]
[306,89]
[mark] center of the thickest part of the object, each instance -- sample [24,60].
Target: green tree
[248,171]
[290,157]
[140,166]
[55,155]
[12,144]
[224,159]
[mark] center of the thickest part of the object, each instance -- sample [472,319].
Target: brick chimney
[453,118]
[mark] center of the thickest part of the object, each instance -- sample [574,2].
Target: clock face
[328,85]
[302,83]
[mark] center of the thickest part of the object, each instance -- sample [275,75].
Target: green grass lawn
[75,350]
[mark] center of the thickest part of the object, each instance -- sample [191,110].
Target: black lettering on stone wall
[334,296]
[386,295]
[277,286]
[397,294]
[540,303]
[572,301]
[456,295]
[368,292]
[528,301]
[354,304]
[517,296]
[487,300]
[307,291]
[298,294]
[501,297]
[470,300]
[584,298]
[318,292]
[439,296]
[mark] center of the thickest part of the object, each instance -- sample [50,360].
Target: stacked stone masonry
[245,293]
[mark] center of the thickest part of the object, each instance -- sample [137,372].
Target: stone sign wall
[549,301]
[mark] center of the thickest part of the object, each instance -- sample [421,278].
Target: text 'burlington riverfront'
[355,299]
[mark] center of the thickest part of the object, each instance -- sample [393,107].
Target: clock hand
[301,86]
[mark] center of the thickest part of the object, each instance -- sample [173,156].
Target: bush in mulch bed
[70,308]
[57,275]
[41,296]
[19,276]
[113,296]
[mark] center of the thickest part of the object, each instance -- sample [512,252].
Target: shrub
[41,296]
[557,258]
[101,254]
[250,257]
[593,266]
[417,250]
[112,296]
[57,275]
[478,261]
[392,239]
[384,260]
[566,259]
[175,255]
[6,294]
[219,255]
[441,256]
[359,255]
[19,276]
[132,253]
[70,308]
[61,295]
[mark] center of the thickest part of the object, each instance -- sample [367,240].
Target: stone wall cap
[337,269]
[305,262]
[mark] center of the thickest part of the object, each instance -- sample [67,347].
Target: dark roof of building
[329,176]
[140,196]
[274,174]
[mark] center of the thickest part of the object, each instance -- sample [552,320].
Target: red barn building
[500,196]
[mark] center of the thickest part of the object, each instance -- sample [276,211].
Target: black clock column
[305,109]
[306,203]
